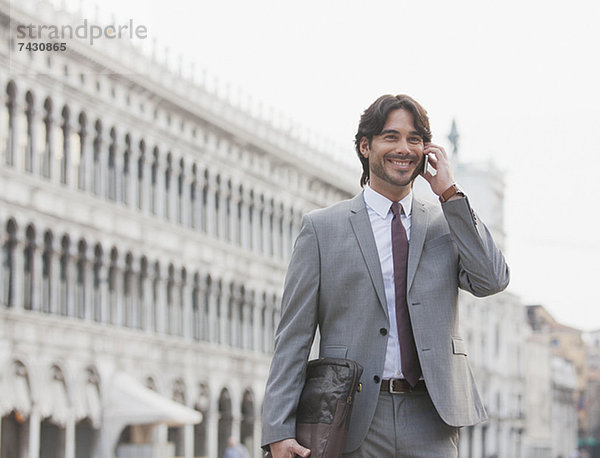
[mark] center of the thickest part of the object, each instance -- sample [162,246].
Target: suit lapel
[361,225]
[418,230]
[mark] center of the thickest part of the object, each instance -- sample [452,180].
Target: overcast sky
[520,78]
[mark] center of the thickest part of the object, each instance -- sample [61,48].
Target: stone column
[222,220]
[256,223]
[245,229]
[212,427]
[147,308]
[183,198]
[257,328]
[54,280]
[172,193]
[37,274]
[34,433]
[83,171]
[276,231]
[211,210]
[267,230]
[99,162]
[88,285]
[20,134]
[145,185]
[65,162]
[188,441]
[161,301]
[118,171]
[157,189]
[71,277]
[268,330]
[234,199]
[235,327]
[103,290]
[213,324]
[70,437]
[247,320]
[224,327]
[186,305]
[176,305]
[285,245]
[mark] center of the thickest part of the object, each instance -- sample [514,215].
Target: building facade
[145,224]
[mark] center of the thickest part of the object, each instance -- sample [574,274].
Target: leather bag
[325,405]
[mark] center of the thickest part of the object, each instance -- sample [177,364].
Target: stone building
[145,228]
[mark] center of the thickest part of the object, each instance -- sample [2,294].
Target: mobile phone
[425,164]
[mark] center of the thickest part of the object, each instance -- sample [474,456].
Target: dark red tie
[408,351]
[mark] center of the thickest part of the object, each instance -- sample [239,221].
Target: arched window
[112,168]
[64,276]
[171,312]
[113,292]
[180,192]
[47,273]
[156,284]
[81,285]
[142,296]
[201,429]
[248,419]
[8,263]
[225,420]
[196,308]
[98,162]
[29,275]
[168,189]
[81,155]
[140,174]
[64,153]
[11,101]
[129,291]
[193,208]
[98,280]
[48,157]
[175,434]
[153,182]
[126,193]
[29,145]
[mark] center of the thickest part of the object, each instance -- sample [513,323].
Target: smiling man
[379,276]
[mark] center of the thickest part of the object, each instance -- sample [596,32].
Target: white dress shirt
[380,215]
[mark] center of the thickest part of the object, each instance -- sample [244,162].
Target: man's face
[395,155]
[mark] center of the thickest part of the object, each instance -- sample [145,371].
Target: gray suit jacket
[334,281]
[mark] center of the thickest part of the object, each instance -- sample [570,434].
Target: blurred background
[155,171]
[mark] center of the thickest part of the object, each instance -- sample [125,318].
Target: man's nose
[402,146]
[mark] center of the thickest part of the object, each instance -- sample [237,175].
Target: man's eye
[415,140]
[390,137]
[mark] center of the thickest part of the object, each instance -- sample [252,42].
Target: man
[379,275]
[235,450]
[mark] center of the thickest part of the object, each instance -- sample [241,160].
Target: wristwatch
[451,191]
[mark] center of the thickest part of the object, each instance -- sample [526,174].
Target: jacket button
[383,332]
[376,379]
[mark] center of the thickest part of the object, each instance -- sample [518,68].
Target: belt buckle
[392,391]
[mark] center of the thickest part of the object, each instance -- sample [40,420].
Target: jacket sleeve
[293,338]
[482,268]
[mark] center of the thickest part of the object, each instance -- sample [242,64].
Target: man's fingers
[302,451]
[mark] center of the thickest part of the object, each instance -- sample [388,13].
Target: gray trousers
[407,426]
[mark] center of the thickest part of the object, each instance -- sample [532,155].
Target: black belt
[400,386]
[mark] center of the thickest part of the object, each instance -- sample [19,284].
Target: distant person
[379,276]
[235,450]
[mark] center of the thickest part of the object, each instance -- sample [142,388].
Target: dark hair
[374,118]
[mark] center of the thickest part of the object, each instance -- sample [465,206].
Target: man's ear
[364,147]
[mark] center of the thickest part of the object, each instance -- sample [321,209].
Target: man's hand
[288,448]
[438,159]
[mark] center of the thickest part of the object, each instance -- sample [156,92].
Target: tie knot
[396,208]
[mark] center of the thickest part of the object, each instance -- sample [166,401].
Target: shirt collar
[381,204]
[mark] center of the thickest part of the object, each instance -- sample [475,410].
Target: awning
[128,402]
